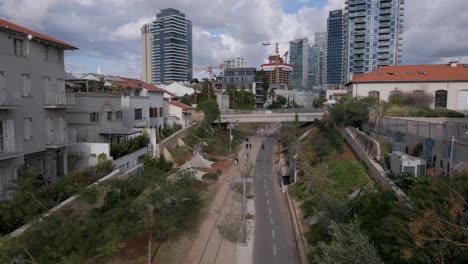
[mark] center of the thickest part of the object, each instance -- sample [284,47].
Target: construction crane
[208,69]
[277,57]
[285,56]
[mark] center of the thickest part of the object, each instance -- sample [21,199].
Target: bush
[211,110]
[421,112]
[132,145]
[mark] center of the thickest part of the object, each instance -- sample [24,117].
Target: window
[2,88]
[2,135]
[440,99]
[375,94]
[7,132]
[27,128]
[18,47]
[45,53]
[26,84]
[154,112]
[109,115]
[94,117]
[58,55]
[137,92]
[138,114]
[118,115]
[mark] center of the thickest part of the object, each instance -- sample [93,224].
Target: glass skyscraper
[373,35]
[172,47]
[299,58]
[335,38]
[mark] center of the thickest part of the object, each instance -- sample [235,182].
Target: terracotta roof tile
[171,94]
[6,25]
[135,83]
[415,73]
[180,105]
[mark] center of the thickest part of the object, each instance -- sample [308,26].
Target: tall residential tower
[321,44]
[172,47]
[335,47]
[373,35]
[299,58]
[147,44]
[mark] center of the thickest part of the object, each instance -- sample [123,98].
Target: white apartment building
[236,62]
[33,104]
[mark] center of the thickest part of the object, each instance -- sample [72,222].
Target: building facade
[146,47]
[321,44]
[239,78]
[447,83]
[33,104]
[335,39]
[284,70]
[172,47]
[236,62]
[299,58]
[373,35]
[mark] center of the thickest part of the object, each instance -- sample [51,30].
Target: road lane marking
[265,185]
[273,233]
[269,209]
[266,193]
[274,249]
[271,221]
[268,202]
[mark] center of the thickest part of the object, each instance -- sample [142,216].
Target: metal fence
[274,111]
[443,130]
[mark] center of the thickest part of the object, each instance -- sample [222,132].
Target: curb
[297,231]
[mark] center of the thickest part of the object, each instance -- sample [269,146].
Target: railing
[357,14]
[58,139]
[385,18]
[59,99]
[273,111]
[9,98]
[385,24]
[385,5]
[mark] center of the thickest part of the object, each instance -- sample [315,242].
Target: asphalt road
[274,238]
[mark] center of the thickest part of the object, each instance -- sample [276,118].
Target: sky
[107,32]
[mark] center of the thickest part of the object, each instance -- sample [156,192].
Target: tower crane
[208,69]
[277,57]
[285,56]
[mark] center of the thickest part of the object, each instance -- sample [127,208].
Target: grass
[181,154]
[347,176]
[419,112]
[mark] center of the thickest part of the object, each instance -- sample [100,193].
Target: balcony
[359,39]
[360,45]
[382,62]
[360,26]
[359,32]
[61,139]
[357,8]
[359,63]
[383,44]
[385,18]
[359,20]
[59,100]
[356,2]
[385,11]
[359,51]
[383,50]
[357,14]
[382,56]
[385,25]
[358,57]
[384,30]
[384,37]
[8,147]
[9,99]
[386,4]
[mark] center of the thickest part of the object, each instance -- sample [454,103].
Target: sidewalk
[208,246]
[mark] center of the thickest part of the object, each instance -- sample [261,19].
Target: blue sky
[292,6]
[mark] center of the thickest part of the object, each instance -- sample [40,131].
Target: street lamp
[231,125]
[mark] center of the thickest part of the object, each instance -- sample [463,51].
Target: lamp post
[231,125]
[451,156]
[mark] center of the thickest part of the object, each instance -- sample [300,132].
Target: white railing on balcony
[9,97]
[60,99]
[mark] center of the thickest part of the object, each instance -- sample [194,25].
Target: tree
[348,245]
[185,100]
[194,80]
[318,102]
[211,110]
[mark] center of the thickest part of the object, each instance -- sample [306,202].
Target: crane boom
[277,56]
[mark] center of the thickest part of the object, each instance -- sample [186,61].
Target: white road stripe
[269,209]
[273,233]
[274,249]
[271,220]
[268,202]
[266,193]
[265,185]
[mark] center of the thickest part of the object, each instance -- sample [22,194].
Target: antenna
[99,69]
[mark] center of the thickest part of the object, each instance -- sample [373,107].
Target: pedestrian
[236,159]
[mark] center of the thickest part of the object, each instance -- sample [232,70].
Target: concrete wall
[128,161]
[129,104]
[84,154]
[452,88]
[87,103]
[173,140]
[374,169]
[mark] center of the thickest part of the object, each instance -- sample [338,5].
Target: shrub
[132,145]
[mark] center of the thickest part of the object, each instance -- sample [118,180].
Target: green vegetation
[211,110]
[168,131]
[352,111]
[132,145]
[318,102]
[241,100]
[89,232]
[33,196]
[408,111]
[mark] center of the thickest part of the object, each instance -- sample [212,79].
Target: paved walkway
[209,247]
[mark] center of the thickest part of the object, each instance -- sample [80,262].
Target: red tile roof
[180,105]
[415,73]
[6,26]
[279,64]
[135,83]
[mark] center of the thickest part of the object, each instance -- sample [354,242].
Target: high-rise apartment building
[172,47]
[236,62]
[373,35]
[284,70]
[299,58]
[335,38]
[313,69]
[321,44]
[147,45]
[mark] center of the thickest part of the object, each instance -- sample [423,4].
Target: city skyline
[112,41]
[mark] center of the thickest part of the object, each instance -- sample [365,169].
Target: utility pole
[451,157]
[150,211]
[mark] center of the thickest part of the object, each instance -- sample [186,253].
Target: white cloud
[110,29]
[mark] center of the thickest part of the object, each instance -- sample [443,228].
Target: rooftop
[180,105]
[9,26]
[135,83]
[415,73]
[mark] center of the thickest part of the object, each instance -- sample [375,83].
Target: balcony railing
[360,45]
[384,37]
[357,14]
[383,43]
[356,2]
[360,39]
[384,30]
[59,100]
[385,24]
[385,11]
[359,26]
[386,5]
[357,8]
[9,99]
[9,148]
[61,138]
[385,18]
[359,20]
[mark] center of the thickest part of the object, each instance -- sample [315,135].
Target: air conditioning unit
[401,163]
